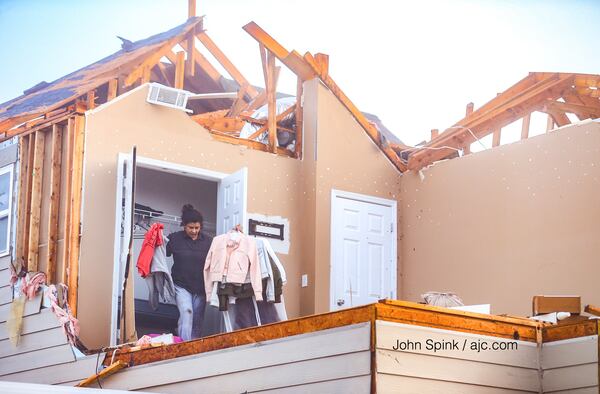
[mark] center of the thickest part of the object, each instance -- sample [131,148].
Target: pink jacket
[243,259]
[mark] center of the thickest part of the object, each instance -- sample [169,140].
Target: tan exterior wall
[508,223]
[348,160]
[170,135]
[298,190]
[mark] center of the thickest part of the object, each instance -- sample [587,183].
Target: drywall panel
[277,376]
[453,344]
[38,322]
[71,372]
[456,370]
[346,159]
[34,341]
[223,363]
[409,385]
[169,135]
[505,224]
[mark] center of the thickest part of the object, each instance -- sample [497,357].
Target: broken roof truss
[555,94]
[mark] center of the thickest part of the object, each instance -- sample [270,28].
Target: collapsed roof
[154,59]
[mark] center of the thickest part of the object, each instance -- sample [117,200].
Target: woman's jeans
[191,313]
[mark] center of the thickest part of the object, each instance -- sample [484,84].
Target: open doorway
[159,197]
[161,189]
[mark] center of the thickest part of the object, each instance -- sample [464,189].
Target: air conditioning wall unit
[168,97]
[178,98]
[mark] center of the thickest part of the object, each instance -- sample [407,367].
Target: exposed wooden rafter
[528,95]
[226,63]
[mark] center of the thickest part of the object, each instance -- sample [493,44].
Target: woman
[189,249]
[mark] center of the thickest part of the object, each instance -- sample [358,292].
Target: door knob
[340,301]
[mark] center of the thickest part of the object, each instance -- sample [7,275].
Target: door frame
[153,164]
[393,204]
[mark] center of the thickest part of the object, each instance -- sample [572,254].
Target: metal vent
[168,97]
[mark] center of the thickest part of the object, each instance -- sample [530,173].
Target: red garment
[152,239]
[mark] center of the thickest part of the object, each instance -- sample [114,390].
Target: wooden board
[548,304]
[42,321]
[393,384]
[350,339]
[71,372]
[36,201]
[53,211]
[31,307]
[22,198]
[32,360]
[34,341]
[389,334]
[459,371]
[75,217]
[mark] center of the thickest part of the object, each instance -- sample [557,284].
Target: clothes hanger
[236,232]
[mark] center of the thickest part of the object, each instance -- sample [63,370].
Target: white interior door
[232,200]
[363,250]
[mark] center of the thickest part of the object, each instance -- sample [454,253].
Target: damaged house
[358,219]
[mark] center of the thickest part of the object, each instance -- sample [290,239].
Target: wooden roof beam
[154,58]
[582,111]
[508,107]
[355,112]
[191,8]
[226,63]
[292,60]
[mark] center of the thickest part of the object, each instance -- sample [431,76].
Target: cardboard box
[548,304]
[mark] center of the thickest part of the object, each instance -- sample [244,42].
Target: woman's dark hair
[189,214]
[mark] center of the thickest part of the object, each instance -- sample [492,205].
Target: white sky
[414,64]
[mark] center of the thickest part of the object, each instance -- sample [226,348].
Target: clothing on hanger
[160,283]
[152,239]
[233,259]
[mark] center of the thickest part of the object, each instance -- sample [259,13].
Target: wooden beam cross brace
[226,63]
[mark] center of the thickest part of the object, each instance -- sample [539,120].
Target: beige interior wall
[348,160]
[170,135]
[508,223]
